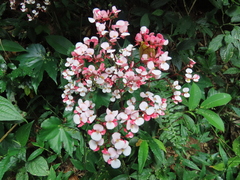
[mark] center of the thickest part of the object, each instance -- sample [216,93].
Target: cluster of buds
[27,6]
[96,65]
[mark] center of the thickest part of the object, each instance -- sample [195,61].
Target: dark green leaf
[101,99]
[6,163]
[52,174]
[145,20]
[223,155]
[158,12]
[59,43]
[22,134]
[190,164]
[8,112]
[156,151]
[233,11]
[195,96]
[22,175]
[215,44]
[142,155]
[227,52]
[236,33]
[217,3]
[156,3]
[7,45]
[121,177]
[216,100]
[232,70]
[38,167]
[187,44]
[213,118]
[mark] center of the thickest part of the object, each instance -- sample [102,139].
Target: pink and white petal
[139,121]
[76,119]
[110,125]
[119,145]
[150,110]
[92,144]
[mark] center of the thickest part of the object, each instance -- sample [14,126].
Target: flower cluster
[96,64]
[27,6]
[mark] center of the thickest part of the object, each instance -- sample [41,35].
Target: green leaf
[59,44]
[38,167]
[7,45]
[216,43]
[57,135]
[236,146]
[236,33]
[217,3]
[121,177]
[219,167]
[51,67]
[234,161]
[232,70]
[8,112]
[223,154]
[145,20]
[22,175]
[158,12]
[35,154]
[101,99]
[160,144]
[52,174]
[195,96]
[227,52]
[22,134]
[156,151]
[187,44]
[156,3]
[190,164]
[216,100]
[6,163]
[213,118]
[142,155]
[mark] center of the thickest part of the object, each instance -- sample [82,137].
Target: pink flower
[110,119]
[97,132]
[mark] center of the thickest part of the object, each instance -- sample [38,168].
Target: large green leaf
[145,20]
[216,100]
[38,167]
[22,134]
[58,135]
[142,155]
[213,118]
[59,43]
[7,45]
[8,112]
[156,151]
[160,144]
[195,96]
[227,52]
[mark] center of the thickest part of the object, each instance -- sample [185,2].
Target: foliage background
[43,142]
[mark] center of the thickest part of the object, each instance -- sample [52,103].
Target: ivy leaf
[195,97]
[216,100]
[38,167]
[142,155]
[8,112]
[213,118]
[59,43]
[58,135]
[7,45]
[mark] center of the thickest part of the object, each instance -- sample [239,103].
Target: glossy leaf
[216,100]
[38,167]
[7,45]
[59,43]
[8,112]
[216,43]
[156,151]
[23,132]
[213,118]
[195,96]
[232,70]
[142,155]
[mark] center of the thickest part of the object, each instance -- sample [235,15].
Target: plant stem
[5,135]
